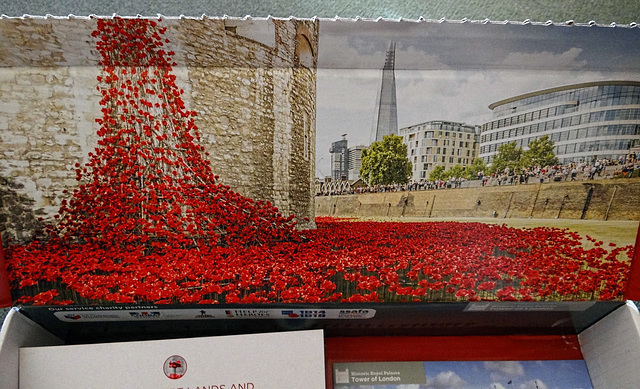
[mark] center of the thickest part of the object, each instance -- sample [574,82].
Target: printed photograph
[449,150]
[565,374]
[218,160]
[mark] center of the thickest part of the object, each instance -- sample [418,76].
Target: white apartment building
[439,143]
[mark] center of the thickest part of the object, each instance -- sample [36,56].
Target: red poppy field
[341,261]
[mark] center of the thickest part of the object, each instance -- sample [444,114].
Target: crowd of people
[576,171]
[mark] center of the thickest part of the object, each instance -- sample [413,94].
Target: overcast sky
[453,71]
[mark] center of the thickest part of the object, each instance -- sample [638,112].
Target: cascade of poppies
[148,184]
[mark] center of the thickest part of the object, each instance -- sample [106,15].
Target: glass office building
[339,159]
[355,162]
[596,120]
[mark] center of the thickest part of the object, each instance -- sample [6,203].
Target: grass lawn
[620,232]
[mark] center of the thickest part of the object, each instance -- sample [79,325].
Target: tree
[437,173]
[478,165]
[386,162]
[456,171]
[540,153]
[509,156]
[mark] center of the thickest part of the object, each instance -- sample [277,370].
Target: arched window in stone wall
[304,51]
[305,58]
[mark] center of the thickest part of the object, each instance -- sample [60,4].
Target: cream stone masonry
[607,199]
[251,82]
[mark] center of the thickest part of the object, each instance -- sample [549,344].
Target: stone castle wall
[611,199]
[251,82]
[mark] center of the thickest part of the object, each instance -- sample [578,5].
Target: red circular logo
[175,367]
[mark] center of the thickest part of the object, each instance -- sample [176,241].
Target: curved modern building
[595,120]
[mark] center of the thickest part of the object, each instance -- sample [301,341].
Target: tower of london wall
[251,82]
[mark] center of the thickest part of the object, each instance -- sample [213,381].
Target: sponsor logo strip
[126,314]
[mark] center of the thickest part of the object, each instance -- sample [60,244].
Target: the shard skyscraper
[387,107]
